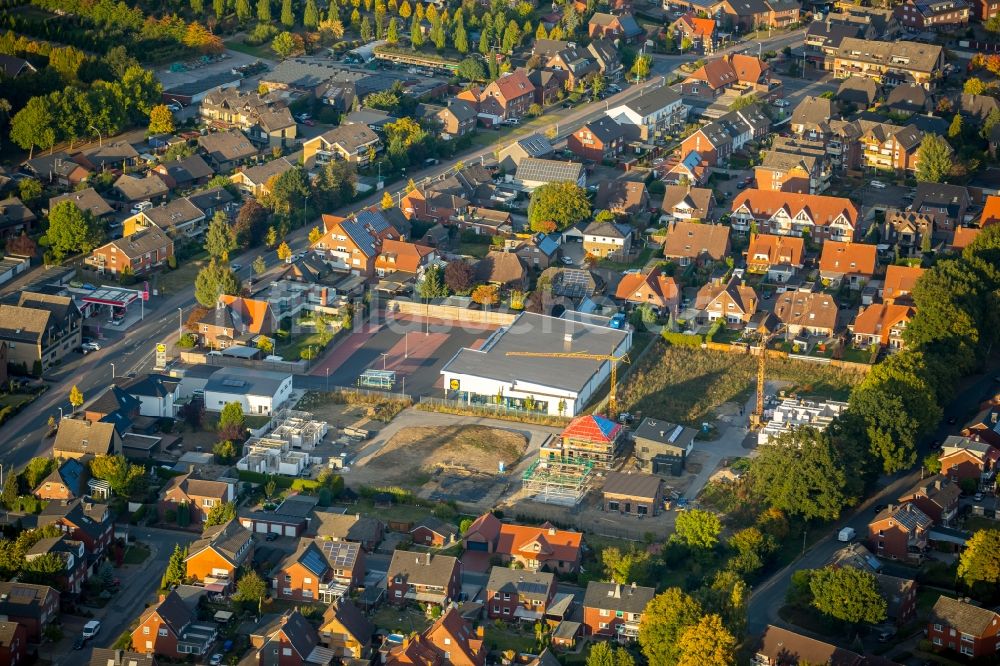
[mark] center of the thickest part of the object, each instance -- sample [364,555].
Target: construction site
[560,481]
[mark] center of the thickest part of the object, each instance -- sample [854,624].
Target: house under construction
[558,480]
[592,438]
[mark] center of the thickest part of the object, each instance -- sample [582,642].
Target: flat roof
[538,333]
[243,381]
[111,296]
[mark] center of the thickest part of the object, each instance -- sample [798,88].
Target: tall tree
[120,474]
[663,622]
[220,239]
[625,567]
[287,15]
[603,653]
[220,514]
[176,570]
[459,276]
[416,33]
[34,125]
[934,159]
[75,397]
[848,594]
[243,10]
[392,33]
[802,473]
[264,11]
[980,561]
[161,120]
[366,29]
[250,588]
[67,61]
[461,38]
[36,470]
[698,528]
[310,16]
[432,284]
[707,643]
[212,281]
[555,206]
[71,230]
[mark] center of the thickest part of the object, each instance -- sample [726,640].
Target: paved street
[139,585]
[769,596]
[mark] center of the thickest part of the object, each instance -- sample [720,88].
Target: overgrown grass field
[685,384]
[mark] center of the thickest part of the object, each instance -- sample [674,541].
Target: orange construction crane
[612,399]
[757,417]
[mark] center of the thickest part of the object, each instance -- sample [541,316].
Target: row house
[804,313]
[819,217]
[782,647]
[33,607]
[899,532]
[947,204]
[778,257]
[937,497]
[449,641]
[853,263]
[933,14]
[965,458]
[351,143]
[692,242]
[889,63]
[424,578]
[179,218]
[732,301]
[457,119]
[138,254]
[717,140]
[506,98]
[650,287]
[621,27]
[286,640]
[40,330]
[736,73]
[899,283]
[885,147]
[573,65]
[599,140]
[969,630]
[794,165]
[907,231]
[881,325]
[652,114]
[535,548]
[611,610]
[195,495]
[346,631]
[354,244]
[749,15]
[170,628]
[82,520]
[519,594]
[73,557]
[221,551]
[700,32]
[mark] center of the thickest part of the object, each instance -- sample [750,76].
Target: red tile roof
[553,544]
[592,428]
[847,258]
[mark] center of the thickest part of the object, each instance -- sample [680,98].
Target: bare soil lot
[416,454]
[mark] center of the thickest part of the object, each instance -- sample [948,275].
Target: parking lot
[414,347]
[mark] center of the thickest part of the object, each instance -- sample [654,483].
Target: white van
[846,534]
[141,206]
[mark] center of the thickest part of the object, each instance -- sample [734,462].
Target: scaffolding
[561,481]
[298,429]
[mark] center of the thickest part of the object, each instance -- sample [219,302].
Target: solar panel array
[236,383]
[313,561]
[574,283]
[340,554]
[531,588]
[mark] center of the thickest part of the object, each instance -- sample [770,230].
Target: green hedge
[310,486]
[682,340]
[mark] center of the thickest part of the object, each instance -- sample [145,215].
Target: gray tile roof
[422,568]
[109,657]
[82,436]
[137,189]
[246,382]
[636,484]
[533,585]
[615,597]
[228,539]
[86,200]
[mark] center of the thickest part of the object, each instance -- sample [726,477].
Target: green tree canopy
[801,472]
[72,230]
[980,561]
[471,69]
[34,125]
[176,570]
[707,643]
[934,159]
[220,514]
[848,594]
[220,239]
[663,622]
[120,474]
[698,528]
[603,653]
[36,470]
[214,280]
[556,206]
[630,566]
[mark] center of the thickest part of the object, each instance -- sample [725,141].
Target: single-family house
[611,610]
[882,324]
[66,482]
[621,27]
[137,254]
[286,640]
[608,240]
[662,447]
[256,180]
[632,494]
[936,496]
[518,594]
[779,257]
[783,647]
[77,438]
[599,140]
[346,631]
[433,532]
[684,203]
[853,263]
[965,458]
[650,287]
[197,495]
[622,197]
[733,301]
[899,532]
[219,554]
[805,313]
[961,627]
[32,606]
[425,578]
[688,242]
[319,570]
[504,269]
[226,150]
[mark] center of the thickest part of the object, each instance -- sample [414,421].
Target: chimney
[480,631]
[552,531]
[618,591]
[633,586]
[162,597]
[428,559]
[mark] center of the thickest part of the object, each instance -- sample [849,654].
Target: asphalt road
[139,583]
[133,352]
[769,596]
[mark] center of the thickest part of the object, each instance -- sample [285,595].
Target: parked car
[271,536]
[781,103]
[878,185]
[846,534]
[89,346]
[236,267]
[566,261]
[141,206]
[174,107]
[216,659]
[78,643]
[91,629]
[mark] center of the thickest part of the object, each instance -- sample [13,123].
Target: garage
[291,530]
[477,546]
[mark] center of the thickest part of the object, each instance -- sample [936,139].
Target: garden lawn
[639,262]
[685,384]
[400,620]
[477,250]
[259,51]
[16,399]
[136,554]
[291,349]
[506,638]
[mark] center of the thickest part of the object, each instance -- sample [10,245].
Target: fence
[777,353]
[378,393]
[491,411]
[451,312]
[293,367]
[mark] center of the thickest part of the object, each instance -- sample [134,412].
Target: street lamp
[60,413]
[406,344]
[112,370]
[305,210]
[328,379]
[384,357]
[180,323]
[100,137]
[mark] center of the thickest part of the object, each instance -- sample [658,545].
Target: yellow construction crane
[757,417]
[612,399]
